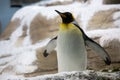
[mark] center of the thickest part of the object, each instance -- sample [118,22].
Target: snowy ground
[83,75]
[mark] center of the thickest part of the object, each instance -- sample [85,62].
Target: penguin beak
[58,12]
[61,14]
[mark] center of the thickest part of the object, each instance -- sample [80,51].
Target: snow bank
[106,36]
[43,3]
[83,75]
[116,17]
[20,59]
[85,11]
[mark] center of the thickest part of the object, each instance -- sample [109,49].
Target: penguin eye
[69,14]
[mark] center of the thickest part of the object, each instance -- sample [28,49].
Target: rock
[46,65]
[27,34]
[25,1]
[59,2]
[103,19]
[20,39]
[111,43]
[83,75]
[43,27]
[111,1]
[12,26]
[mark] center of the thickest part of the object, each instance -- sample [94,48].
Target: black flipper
[100,50]
[45,54]
[95,46]
[50,46]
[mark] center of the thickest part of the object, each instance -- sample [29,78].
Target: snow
[16,34]
[44,77]
[106,36]
[75,75]
[9,76]
[25,21]
[25,58]
[96,2]
[21,58]
[24,11]
[43,3]
[116,16]
[86,11]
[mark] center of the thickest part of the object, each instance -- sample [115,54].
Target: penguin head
[67,17]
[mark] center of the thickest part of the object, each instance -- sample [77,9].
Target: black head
[67,17]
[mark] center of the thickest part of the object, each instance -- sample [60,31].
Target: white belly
[71,52]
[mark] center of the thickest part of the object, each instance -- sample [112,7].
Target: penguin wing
[50,46]
[100,50]
[95,46]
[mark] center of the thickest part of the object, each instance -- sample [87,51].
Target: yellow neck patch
[70,27]
[65,27]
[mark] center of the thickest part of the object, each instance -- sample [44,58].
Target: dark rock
[111,1]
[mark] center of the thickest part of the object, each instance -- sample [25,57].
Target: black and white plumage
[71,45]
[88,42]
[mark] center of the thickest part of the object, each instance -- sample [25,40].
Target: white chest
[71,51]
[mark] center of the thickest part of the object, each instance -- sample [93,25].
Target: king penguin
[71,45]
